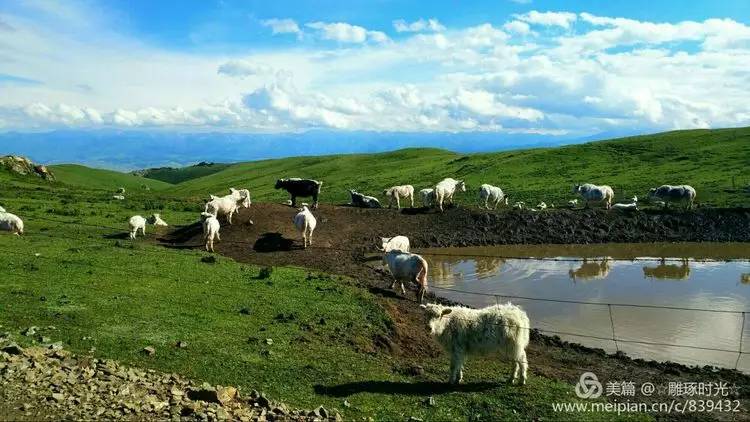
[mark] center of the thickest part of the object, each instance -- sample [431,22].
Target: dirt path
[344,235]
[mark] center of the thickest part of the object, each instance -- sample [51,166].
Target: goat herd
[461,331]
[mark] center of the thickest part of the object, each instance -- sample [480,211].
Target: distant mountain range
[131,150]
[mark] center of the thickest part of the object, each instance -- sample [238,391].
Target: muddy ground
[345,234]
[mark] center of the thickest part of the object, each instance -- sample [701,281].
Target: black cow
[300,188]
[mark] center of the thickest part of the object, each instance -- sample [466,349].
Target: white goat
[394,192]
[465,331]
[157,221]
[211,229]
[494,194]
[397,243]
[428,197]
[136,223]
[228,205]
[11,223]
[305,223]
[407,267]
[445,190]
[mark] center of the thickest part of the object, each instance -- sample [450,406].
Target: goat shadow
[272,242]
[120,236]
[421,388]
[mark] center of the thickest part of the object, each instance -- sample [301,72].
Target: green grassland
[715,162]
[71,270]
[77,175]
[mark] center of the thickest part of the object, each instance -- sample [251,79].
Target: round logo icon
[588,386]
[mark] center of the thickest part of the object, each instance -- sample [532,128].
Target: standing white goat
[393,193]
[211,228]
[136,223]
[408,267]
[228,205]
[305,223]
[395,243]
[445,190]
[465,331]
[491,193]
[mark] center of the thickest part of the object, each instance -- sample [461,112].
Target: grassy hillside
[285,333]
[715,162]
[73,174]
[181,174]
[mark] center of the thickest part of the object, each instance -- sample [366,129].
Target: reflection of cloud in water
[664,271]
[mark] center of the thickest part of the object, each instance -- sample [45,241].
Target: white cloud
[561,19]
[519,27]
[346,33]
[602,74]
[420,25]
[282,26]
[243,68]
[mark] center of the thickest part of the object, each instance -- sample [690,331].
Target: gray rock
[149,350]
[12,349]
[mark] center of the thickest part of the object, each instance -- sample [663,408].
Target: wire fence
[614,338]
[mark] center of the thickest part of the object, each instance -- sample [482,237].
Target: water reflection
[622,276]
[591,270]
[668,271]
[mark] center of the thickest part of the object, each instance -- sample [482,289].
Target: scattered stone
[322,412]
[181,344]
[347,404]
[269,341]
[56,346]
[149,350]
[430,401]
[30,331]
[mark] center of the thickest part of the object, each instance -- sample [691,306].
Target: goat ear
[446,311]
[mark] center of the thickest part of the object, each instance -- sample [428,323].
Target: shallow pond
[693,282]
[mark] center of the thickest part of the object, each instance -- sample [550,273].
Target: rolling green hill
[73,174]
[715,162]
[181,174]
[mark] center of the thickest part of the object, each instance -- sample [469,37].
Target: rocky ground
[49,383]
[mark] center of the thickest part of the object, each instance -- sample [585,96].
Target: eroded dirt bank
[344,235]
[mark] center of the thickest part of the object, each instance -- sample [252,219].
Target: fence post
[742,333]
[612,323]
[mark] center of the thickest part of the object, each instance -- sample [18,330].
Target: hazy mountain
[129,150]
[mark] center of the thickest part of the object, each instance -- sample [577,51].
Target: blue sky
[573,68]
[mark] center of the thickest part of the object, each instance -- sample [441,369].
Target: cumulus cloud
[243,68]
[346,33]
[519,27]
[540,72]
[561,19]
[282,26]
[420,25]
